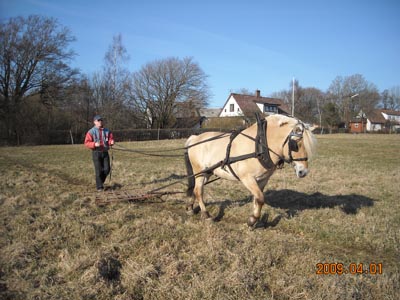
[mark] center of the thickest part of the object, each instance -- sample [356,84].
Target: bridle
[293,145]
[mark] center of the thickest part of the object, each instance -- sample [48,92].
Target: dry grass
[57,244]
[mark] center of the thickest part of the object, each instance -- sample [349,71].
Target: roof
[209,112]
[390,112]
[376,116]
[248,103]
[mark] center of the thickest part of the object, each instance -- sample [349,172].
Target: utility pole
[293,98]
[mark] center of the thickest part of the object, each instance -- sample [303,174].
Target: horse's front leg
[258,199]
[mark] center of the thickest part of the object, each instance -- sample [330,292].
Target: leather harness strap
[261,148]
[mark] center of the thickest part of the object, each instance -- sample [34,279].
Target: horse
[250,156]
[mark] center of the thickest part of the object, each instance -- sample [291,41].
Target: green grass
[57,244]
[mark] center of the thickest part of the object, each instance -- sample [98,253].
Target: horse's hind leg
[198,194]
[258,199]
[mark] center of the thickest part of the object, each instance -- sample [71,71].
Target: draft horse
[250,156]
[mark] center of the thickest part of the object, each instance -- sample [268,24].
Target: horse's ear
[312,128]
[298,129]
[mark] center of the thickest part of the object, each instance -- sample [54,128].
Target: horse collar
[262,149]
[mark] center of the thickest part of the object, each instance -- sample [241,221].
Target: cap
[97,117]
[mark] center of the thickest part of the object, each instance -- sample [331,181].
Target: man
[100,139]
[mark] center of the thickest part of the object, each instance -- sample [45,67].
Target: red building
[358,125]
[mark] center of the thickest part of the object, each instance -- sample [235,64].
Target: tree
[307,101]
[390,99]
[111,85]
[342,91]
[160,85]
[33,60]
[331,115]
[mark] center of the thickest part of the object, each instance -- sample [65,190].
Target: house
[357,125]
[209,112]
[376,121]
[248,105]
[392,118]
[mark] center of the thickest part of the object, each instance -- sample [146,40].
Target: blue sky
[249,44]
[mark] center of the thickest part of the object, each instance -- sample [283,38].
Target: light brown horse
[287,138]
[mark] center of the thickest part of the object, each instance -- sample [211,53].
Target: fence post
[72,138]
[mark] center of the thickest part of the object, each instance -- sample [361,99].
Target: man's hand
[97,144]
[112,143]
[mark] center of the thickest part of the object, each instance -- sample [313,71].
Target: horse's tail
[189,169]
[190,177]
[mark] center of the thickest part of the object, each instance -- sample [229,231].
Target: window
[270,108]
[231,107]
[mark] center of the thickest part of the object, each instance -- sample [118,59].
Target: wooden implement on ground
[115,196]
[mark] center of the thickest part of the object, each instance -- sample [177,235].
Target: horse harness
[262,150]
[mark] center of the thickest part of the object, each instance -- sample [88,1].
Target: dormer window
[270,108]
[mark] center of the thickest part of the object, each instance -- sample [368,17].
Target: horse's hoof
[252,220]
[205,215]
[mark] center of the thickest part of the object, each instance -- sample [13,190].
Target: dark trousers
[101,161]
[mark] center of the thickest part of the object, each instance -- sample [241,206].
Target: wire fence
[69,137]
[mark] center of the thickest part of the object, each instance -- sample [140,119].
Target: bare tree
[342,91]
[33,59]
[160,85]
[391,98]
[308,102]
[111,86]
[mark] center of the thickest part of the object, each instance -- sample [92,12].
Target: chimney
[258,93]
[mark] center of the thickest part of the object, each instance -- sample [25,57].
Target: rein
[155,152]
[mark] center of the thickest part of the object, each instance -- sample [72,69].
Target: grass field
[57,244]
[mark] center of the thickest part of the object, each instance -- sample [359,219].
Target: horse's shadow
[294,202]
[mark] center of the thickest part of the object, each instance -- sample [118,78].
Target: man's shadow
[294,202]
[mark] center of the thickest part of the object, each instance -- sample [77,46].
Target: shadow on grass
[294,202]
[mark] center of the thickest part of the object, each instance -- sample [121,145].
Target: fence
[67,137]
[159,134]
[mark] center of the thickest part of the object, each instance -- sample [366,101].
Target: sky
[251,44]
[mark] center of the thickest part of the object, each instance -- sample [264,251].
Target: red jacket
[102,135]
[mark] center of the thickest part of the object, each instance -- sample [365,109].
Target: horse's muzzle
[301,171]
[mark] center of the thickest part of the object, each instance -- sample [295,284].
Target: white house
[248,105]
[381,119]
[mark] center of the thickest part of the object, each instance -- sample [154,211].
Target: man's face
[98,123]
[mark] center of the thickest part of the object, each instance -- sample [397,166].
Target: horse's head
[298,146]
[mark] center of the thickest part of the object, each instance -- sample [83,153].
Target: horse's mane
[309,140]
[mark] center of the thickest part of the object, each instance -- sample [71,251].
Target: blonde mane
[310,143]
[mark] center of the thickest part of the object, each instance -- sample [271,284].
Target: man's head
[98,121]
